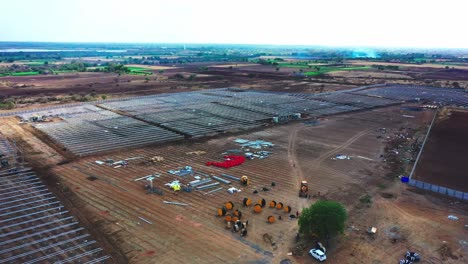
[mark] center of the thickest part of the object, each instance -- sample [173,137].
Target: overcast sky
[395,23]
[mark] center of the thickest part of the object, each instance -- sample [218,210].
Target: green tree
[323,219]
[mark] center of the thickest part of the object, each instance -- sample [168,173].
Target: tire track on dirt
[346,144]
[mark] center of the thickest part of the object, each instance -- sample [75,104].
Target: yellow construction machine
[245,180]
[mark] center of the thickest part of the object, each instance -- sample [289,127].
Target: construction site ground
[112,202]
[443,159]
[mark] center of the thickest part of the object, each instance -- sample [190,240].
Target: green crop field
[28,73]
[139,70]
[331,69]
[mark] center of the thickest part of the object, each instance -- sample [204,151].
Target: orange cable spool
[229,205]
[257,208]
[247,202]
[271,219]
[228,218]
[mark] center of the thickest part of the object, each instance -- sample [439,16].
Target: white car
[318,254]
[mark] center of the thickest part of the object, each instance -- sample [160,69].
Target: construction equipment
[245,180]
[304,191]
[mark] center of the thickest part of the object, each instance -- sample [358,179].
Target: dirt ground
[405,218]
[45,89]
[425,65]
[443,158]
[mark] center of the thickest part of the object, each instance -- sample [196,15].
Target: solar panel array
[444,96]
[34,226]
[88,129]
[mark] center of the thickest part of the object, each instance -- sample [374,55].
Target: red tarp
[229,161]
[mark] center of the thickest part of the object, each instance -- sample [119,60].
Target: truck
[304,190]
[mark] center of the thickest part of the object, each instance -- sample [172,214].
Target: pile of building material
[187,170]
[341,157]
[255,144]
[258,154]
[229,161]
[249,147]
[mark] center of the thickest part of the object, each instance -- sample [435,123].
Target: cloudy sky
[389,23]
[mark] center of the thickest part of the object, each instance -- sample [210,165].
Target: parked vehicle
[318,254]
[413,256]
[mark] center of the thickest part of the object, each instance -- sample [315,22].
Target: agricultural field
[27,73]
[139,70]
[442,161]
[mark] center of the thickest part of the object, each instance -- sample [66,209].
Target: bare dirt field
[369,74]
[424,65]
[113,202]
[152,67]
[40,89]
[443,161]
[36,89]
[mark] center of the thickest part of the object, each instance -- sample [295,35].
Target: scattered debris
[187,170]
[176,203]
[197,152]
[195,183]
[341,157]
[255,144]
[452,217]
[144,177]
[157,159]
[175,185]
[233,190]
[361,157]
[148,222]
[221,180]
[212,191]
[207,186]
[230,177]
[133,158]
[372,230]
[258,154]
